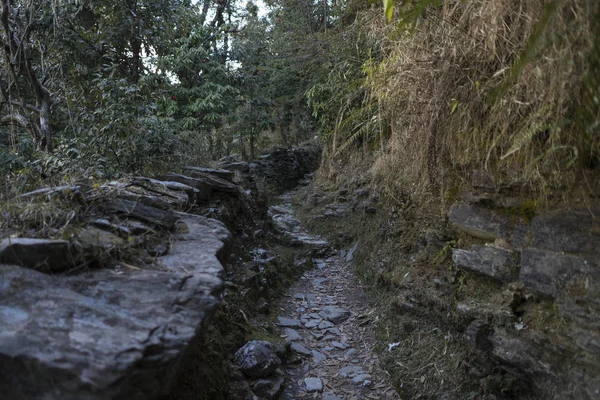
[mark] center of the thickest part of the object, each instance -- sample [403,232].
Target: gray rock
[144,213]
[477,335]
[480,222]
[98,241]
[318,357]
[349,355]
[335,314]
[482,180]
[171,185]
[330,396]
[351,371]
[291,334]
[205,183]
[339,345]
[241,166]
[52,191]
[101,335]
[186,252]
[257,359]
[569,231]
[288,322]
[269,388]
[221,173]
[361,378]
[300,349]
[325,325]
[492,261]
[313,323]
[281,210]
[319,281]
[520,354]
[313,385]
[139,228]
[350,254]
[548,273]
[43,254]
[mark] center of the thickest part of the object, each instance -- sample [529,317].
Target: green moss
[526,210]
[452,193]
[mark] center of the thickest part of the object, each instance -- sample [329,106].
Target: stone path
[327,318]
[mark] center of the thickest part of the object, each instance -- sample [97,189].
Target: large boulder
[110,333]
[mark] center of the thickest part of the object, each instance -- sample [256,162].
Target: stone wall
[543,259]
[107,305]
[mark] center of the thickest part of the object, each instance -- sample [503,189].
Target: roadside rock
[313,385]
[144,213]
[292,334]
[257,359]
[42,254]
[492,261]
[335,314]
[548,273]
[570,231]
[269,388]
[479,222]
[288,322]
[300,349]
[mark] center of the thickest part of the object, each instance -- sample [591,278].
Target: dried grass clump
[507,86]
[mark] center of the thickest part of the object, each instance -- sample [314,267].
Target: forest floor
[328,318]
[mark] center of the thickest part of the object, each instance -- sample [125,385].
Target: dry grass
[505,86]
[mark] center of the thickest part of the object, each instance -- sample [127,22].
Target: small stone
[257,359]
[348,355]
[320,281]
[351,371]
[339,345]
[325,325]
[335,314]
[292,334]
[299,296]
[361,378]
[318,357]
[300,349]
[330,396]
[268,388]
[313,323]
[313,385]
[288,322]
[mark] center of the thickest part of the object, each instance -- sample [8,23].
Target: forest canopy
[93,89]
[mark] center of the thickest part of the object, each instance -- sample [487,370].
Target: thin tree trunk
[16,54]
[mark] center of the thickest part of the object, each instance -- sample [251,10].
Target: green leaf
[454,104]
[388,6]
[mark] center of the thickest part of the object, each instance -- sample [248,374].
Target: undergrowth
[507,86]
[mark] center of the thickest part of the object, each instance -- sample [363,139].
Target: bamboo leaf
[388,7]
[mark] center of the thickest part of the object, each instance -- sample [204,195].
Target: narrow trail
[327,317]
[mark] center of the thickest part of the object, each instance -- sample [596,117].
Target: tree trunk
[252,138]
[18,60]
